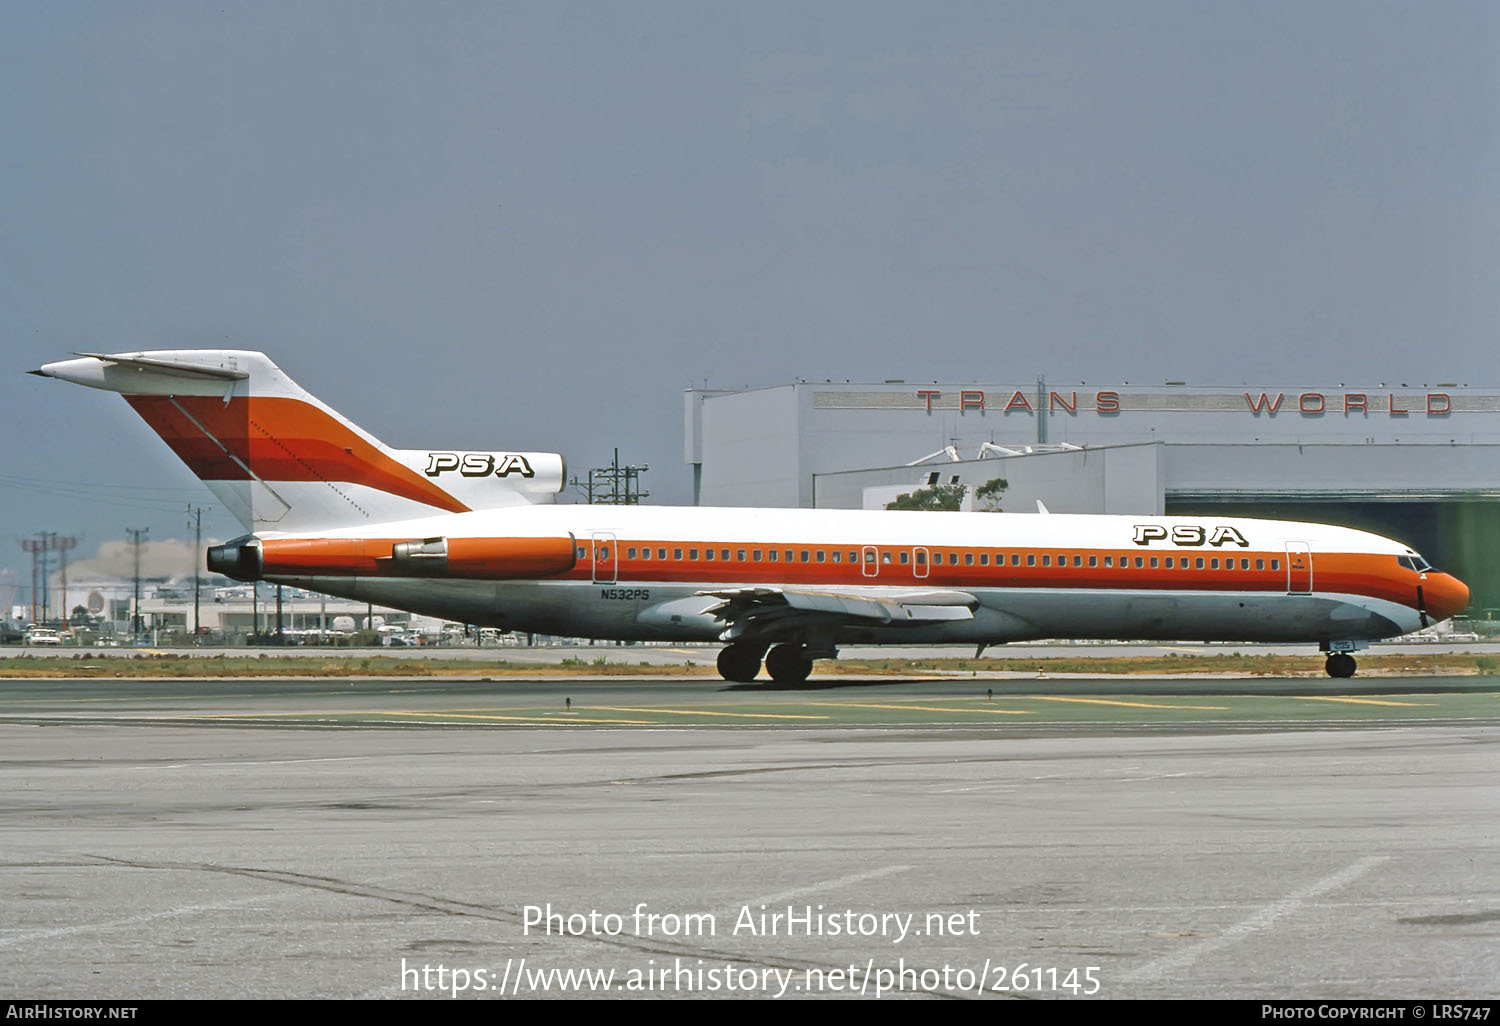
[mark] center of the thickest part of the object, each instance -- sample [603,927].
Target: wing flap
[751,609]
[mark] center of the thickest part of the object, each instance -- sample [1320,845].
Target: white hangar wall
[1115,479]
[784,446]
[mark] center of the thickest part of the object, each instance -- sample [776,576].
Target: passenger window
[968,559]
[692,553]
[1031,559]
[1244,564]
[1047,559]
[662,554]
[1260,564]
[582,554]
[885,557]
[1213,564]
[1015,559]
[1198,562]
[1153,562]
[1275,564]
[708,554]
[1093,561]
[838,557]
[630,552]
[804,555]
[822,556]
[755,555]
[774,555]
[789,556]
[905,557]
[1109,561]
[740,555]
[604,552]
[1078,561]
[853,556]
[1139,562]
[953,559]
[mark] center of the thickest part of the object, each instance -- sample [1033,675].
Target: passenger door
[1299,574]
[606,558]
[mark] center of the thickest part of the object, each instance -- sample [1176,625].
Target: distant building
[1417,462]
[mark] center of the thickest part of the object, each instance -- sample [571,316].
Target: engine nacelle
[490,559]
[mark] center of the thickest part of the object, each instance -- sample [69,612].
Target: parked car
[43,636]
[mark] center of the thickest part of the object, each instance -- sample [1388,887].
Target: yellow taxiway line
[923,708]
[705,712]
[1110,701]
[1355,701]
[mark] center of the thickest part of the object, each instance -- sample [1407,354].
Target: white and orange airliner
[476,536]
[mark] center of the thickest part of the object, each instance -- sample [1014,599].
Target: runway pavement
[175,839]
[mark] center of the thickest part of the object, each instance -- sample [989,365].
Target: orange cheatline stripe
[1367,574]
[280,439]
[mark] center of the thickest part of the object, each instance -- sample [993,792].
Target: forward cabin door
[606,559]
[1299,573]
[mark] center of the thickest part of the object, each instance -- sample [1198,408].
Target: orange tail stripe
[279,439]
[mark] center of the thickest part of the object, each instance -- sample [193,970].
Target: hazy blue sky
[532,225]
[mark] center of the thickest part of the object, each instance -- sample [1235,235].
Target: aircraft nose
[1446,596]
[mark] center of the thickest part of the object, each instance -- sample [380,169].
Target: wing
[770,612]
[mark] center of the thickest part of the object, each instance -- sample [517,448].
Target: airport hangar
[1420,463]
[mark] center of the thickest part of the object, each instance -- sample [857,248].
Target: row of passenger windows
[967,558]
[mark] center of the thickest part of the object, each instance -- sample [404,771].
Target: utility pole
[35,547]
[617,485]
[196,512]
[47,539]
[137,541]
[39,547]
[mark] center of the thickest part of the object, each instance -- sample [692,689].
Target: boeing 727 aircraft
[476,537]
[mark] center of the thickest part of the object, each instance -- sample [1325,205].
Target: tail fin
[280,460]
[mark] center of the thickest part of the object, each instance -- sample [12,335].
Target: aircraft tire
[1341,664]
[739,664]
[788,664]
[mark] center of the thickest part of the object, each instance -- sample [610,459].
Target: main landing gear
[740,663]
[786,663]
[1340,664]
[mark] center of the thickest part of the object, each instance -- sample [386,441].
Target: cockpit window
[1414,562]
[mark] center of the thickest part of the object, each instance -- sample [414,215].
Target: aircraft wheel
[1341,664]
[788,664]
[739,663]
